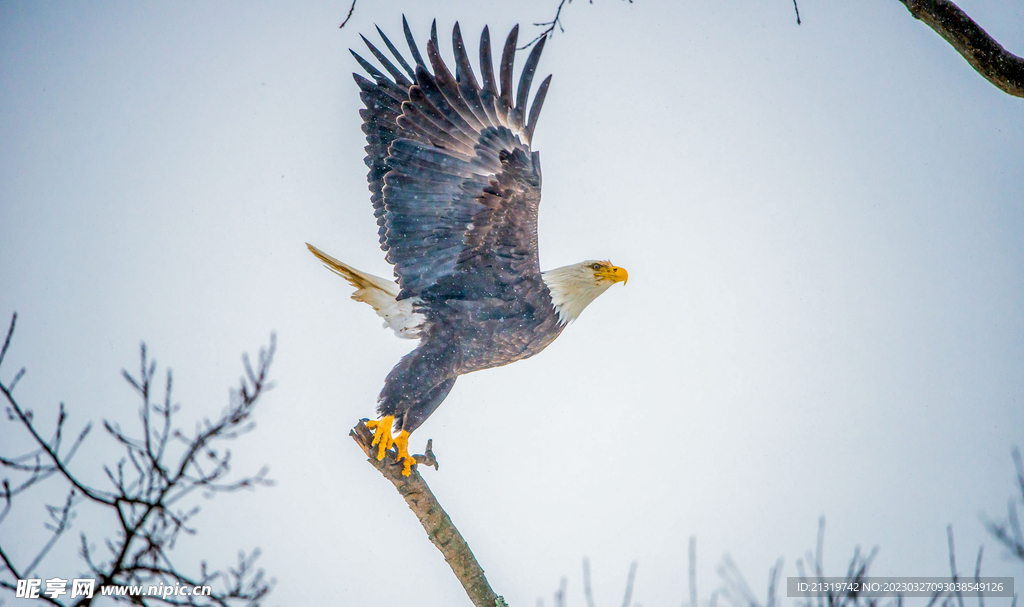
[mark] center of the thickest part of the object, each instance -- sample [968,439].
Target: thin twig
[1009,533]
[58,463]
[977,576]
[693,571]
[952,565]
[7,340]
[349,16]
[560,594]
[736,590]
[62,517]
[587,591]
[629,584]
[548,25]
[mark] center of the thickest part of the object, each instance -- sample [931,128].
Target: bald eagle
[455,187]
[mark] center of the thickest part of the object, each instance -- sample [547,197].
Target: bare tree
[146,497]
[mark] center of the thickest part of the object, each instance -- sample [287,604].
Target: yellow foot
[381,434]
[402,444]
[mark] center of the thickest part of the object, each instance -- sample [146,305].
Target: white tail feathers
[380,294]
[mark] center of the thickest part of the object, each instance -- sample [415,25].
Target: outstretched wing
[455,186]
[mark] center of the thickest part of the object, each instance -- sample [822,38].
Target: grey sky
[825,313]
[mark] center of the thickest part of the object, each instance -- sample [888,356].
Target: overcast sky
[825,314]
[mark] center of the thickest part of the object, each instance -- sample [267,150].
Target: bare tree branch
[560,595]
[952,565]
[986,56]
[144,488]
[349,15]
[693,570]
[549,26]
[439,527]
[773,582]
[736,590]
[588,592]
[1009,533]
[629,584]
[977,575]
[62,520]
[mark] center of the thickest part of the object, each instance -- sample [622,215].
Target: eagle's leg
[402,444]
[382,438]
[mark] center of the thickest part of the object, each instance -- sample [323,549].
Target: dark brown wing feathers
[455,188]
[454,184]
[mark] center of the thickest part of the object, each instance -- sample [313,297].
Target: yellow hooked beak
[613,273]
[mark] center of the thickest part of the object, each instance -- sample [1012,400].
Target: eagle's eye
[595,266]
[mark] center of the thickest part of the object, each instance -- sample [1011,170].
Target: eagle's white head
[574,287]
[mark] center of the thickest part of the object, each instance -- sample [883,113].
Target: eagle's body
[455,188]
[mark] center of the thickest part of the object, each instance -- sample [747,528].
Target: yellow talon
[402,444]
[382,438]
